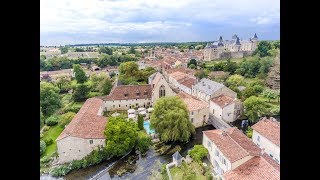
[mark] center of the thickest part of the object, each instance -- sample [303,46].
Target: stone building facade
[84,133]
[234,48]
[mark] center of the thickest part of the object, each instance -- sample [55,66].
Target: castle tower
[238,44]
[254,42]
[255,37]
[220,47]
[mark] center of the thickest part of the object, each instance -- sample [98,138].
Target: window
[192,113]
[113,106]
[209,144]
[223,161]
[162,91]
[212,111]
[119,105]
[79,150]
[191,120]
[216,152]
[90,141]
[258,138]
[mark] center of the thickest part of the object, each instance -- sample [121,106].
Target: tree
[63,83]
[81,92]
[121,136]
[192,61]
[105,50]
[49,98]
[269,94]
[132,50]
[198,152]
[263,48]
[170,119]
[64,49]
[52,120]
[106,86]
[201,74]
[42,147]
[192,66]
[128,68]
[140,122]
[255,108]
[143,143]
[235,80]
[80,75]
[230,66]
[41,118]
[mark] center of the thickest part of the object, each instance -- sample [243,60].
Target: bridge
[217,123]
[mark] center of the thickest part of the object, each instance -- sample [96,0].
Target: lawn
[187,171]
[52,133]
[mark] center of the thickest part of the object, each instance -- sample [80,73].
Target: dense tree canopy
[170,119]
[49,98]
[106,50]
[81,92]
[130,73]
[192,61]
[79,73]
[254,66]
[198,152]
[255,107]
[121,136]
[64,49]
[263,48]
[235,80]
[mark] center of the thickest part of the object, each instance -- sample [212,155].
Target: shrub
[48,141]
[249,132]
[60,171]
[42,147]
[143,144]
[45,128]
[93,94]
[66,118]
[198,152]
[74,107]
[52,120]
[41,135]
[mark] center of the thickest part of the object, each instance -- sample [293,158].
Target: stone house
[206,89]
[182,81]
[266,135]
[84,133]
[225,108]
[198,109]
[160,87]
[125,97]
[228,149]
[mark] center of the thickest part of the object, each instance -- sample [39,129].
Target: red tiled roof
[257,168]
[188,82]
[223,100]
[129,92]
[268,128]
[192,102]
[87,123]
[233,144]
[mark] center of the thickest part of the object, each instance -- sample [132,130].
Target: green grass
[179,173]
[52,133]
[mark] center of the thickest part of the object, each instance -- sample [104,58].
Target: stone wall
[125,104]
[197,117]
[71,148]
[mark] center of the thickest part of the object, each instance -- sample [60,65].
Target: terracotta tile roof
[233,144]
[129,92]
[257,168]
[223,100]
[181,69]
[188,82]
[271,161]
[87,123]
[192,102]
[269,128]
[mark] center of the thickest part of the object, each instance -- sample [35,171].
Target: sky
[132,21]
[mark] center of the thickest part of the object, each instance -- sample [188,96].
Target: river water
[135,166]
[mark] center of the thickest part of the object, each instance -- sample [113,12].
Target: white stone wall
[215,109]
[200,95]
[212,155]
[155,91]
[228,113]
[74,148]
[197,117]
[125,104]
[267,145]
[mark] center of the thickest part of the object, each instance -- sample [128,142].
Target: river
[135,167]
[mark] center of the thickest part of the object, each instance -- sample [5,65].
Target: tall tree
[80,75]
[255,108]
[170,119]
[235,80]
[140,122]
[269,94]
[81,92]
[263,48]
[121,136]
[192,61]
[49,98]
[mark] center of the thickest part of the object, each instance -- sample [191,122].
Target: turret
[220,44]
[255,37]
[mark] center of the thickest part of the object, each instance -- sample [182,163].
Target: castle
[235,48]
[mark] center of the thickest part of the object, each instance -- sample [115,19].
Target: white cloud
[151,16]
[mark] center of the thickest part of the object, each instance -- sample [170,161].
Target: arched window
[162,91]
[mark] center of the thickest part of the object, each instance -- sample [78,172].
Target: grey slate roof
[177,155]
[207,86]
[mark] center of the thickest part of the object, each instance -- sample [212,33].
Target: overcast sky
[98,21]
